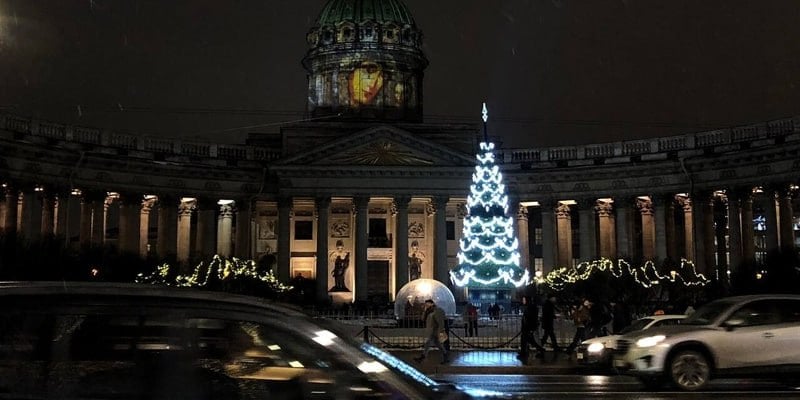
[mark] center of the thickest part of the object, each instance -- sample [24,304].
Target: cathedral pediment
[381,146]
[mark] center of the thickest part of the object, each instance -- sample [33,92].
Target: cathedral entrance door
[378,279]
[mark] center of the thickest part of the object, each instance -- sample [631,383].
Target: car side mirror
[733,323]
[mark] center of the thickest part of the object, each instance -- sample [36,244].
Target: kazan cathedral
[354,201]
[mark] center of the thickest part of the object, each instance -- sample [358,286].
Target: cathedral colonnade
[708,229]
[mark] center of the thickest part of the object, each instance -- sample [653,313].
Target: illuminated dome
[358,11]
[413,294]
[365,62]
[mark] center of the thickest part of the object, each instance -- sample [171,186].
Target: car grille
[622,346]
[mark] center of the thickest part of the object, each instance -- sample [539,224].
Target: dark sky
[554,72]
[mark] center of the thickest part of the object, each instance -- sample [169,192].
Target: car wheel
[652,382]
[689,370]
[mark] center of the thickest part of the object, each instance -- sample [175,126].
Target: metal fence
[385,331]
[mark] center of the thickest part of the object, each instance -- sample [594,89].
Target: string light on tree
[488,254]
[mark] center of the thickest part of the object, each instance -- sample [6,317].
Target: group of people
[530,326]
[590,320]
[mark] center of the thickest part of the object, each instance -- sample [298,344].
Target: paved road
[563,387]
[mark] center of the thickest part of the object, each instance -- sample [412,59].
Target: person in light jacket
[434,325]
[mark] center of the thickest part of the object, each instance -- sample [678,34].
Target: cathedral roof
[358,11]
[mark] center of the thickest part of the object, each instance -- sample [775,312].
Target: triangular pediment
[380,146]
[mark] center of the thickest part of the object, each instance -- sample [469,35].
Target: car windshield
[707,313]
[637,325]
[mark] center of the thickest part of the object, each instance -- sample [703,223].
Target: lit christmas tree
[489,255]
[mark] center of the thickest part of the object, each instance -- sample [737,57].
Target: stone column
[524,239]
[323,205]
[99,205]
[144,225]
[624,219]
[11,201]
[284,239]
[688,231]
[362,242]
[86,220]
[548,236]
[770,208]
[225,229]
[707,234]
[185,211]
[441,271]
[48,215]
[564,235]
[401,241]
[659,205]
[205,244]
[605,219]
[734,231]
[647,213]
[786,216]
[64,220]
[244,229]
[588,228]
[167,226]
[748,231]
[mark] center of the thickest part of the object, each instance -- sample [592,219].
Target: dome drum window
[346,33]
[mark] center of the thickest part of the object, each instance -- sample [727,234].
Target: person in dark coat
[527,334]
[549,310]
[435,325]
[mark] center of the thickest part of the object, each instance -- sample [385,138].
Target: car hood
[605,340]
[665,330]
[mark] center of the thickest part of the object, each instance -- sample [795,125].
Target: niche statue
[341,261]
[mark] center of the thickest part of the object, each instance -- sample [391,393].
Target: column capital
[562,210]
[604,208]
[226,210]
[147,204]
[461,210]
[522,212]
[645,206]
[187,207]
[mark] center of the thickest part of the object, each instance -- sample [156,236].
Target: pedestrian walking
[527,334]
[549,310]
[435,331]
[471,327]
[581,319]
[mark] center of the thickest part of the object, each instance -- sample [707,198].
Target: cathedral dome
[365,61]
[358,11]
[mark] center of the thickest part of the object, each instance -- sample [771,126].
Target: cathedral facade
[374,197]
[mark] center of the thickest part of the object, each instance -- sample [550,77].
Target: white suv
[755,335]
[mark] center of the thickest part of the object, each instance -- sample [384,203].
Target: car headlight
[650,341]
[595,348]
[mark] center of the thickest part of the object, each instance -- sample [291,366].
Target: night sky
[554,72]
